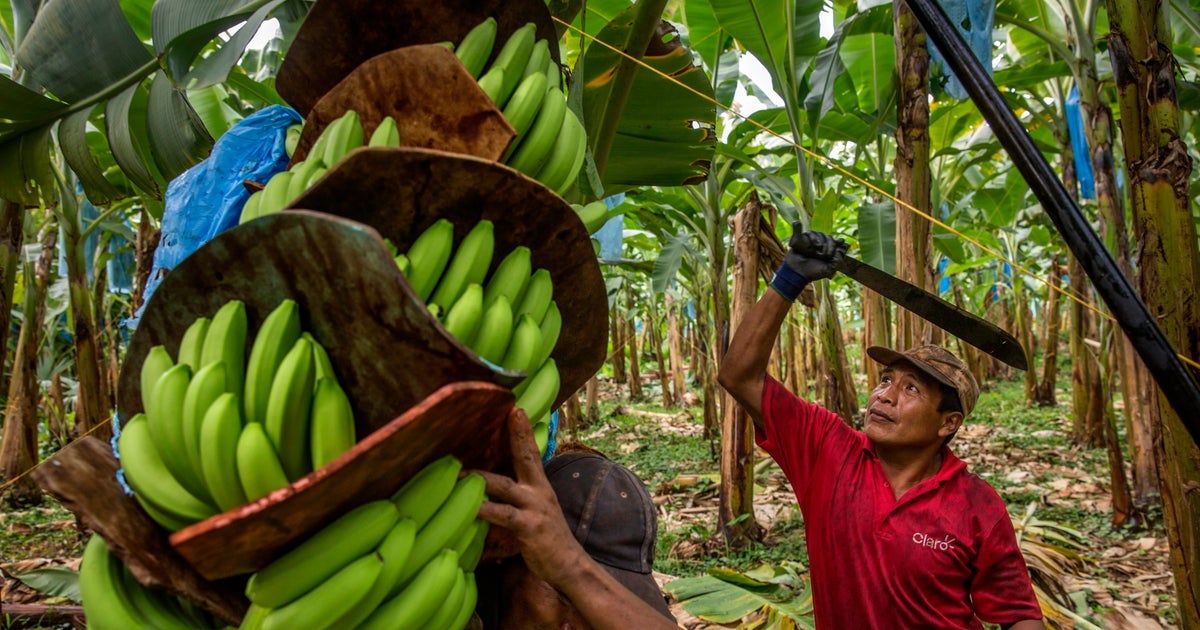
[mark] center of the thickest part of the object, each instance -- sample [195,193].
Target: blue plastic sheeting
[974,20]
[944,283]
[552,443]
[207,199]
[612,234]
[1079,146]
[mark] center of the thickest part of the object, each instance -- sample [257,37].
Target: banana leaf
[728,597]
[664,136]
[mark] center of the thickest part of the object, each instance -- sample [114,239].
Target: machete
[961,323]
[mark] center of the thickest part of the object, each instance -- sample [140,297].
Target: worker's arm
[528,509]
[811,256]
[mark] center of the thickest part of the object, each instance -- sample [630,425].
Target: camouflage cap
[938,363]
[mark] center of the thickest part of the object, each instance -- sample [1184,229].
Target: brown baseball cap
[613,517]
[939,363]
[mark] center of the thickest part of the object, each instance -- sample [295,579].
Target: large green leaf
[182,28]
[126,137]
[870,59]
[668,261]
[762,28]
[25,175]
[72,137]
[215,68]
[718,600]
[664,136]
[178,139]
[877,235]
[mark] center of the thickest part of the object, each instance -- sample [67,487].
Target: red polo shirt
[944,555]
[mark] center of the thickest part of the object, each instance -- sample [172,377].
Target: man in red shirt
[899,534]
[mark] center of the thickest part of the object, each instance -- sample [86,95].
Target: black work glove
[810,256]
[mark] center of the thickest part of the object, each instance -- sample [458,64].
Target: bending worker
[899,534]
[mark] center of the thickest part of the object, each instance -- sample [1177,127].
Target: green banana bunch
[538,294]
[275,337]
[522,108]
[428,256]
[386,134]
[534,149]
[511,60]
[416,603]
[153,483]
[495,331]
[164,416]
[462,319]
[226,341]
[336,597]
[287,414]
[207,385]
[452,603]
[561,169]
[536,393]
[345,135]
[526,342]
[332,420]
[99,588]
[220,432]
[258,468]
[471,261]
[510,277]
[469,545]
[551,327]
[421,496]
[476,46]
[467,607]
[160,609]
[191,346]
[317,559]
[157,362]
[455,514]
[394,550]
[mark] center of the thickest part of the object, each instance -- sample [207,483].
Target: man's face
[902,410]
[529,603]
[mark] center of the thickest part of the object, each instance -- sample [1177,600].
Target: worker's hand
[527,510]
[814,255]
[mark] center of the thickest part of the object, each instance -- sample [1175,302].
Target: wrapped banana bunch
[403,562]
[509,318]
[220,430]
[524,83]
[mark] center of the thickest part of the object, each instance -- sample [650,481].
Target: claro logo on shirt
[925,540]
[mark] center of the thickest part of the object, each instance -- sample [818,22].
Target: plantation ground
[1125,581]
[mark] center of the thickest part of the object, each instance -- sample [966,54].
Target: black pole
[1114,288]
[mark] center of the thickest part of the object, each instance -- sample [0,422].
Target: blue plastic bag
[207,199]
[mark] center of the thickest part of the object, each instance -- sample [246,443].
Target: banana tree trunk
[1122,503]
[969,354]
[1021,308]
[706,374]
[1082,362]
[1046,394]
[840,396]
[616,331]
[914,239]
[1158,167]
[877,327]
[90,408]
[736,511]
[12,239]
[654,337]
[145,243]
[592,398]
[675,349]
[631,337]
[18,452]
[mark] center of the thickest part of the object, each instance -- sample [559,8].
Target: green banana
[418,601]
[332,418]
[321,362]
[469,544]
[523,107]
[470,264]
[353,535]
[292,138]
[427,257]
[334,598]
[219,435]
[99,576]
[455,514]
[286,419]
[402,264]
[535,148]
[476,46]
[394,550]
[467,607]
[525,344]
[157,362]
[421,496]
[552,70]
[510,277]
[492,84]
[149,477]
[566,157]
[226,341]
[165,419]
[536,394]
[168,521]
[462,319]
[550,328]
[386,134]
[347,136]
[539,56]
[449,608]
[275,337]
[160,609]
[191,346]
[255,615]
[298,182]
[207,385]
[274,193]
[252,208]
[513,56]
[491,340]
[594,215]
[315,175]
[538,294]
[541,434]
[258,468]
